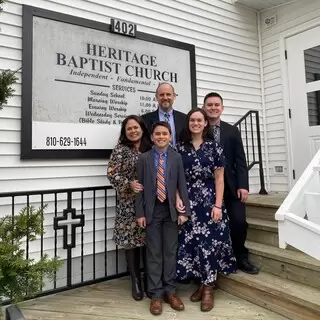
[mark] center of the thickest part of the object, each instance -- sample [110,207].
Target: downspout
[263,104]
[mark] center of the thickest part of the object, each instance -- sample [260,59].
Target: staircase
[289,280]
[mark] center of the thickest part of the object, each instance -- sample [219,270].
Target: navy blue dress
[205,248]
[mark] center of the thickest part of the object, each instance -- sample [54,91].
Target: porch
[112,300]
[93,283]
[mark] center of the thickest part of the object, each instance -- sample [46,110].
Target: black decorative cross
[64,224]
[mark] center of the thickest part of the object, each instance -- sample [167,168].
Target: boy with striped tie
[160,172]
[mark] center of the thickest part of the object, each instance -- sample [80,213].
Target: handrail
[248,117]
[52,191]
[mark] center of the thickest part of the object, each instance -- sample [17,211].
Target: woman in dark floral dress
[205,248]
[134,139]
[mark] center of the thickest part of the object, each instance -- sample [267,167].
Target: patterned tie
[161,185]
[167,117]
[216,133]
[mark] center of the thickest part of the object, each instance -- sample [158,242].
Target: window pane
[314,108]
[312,64]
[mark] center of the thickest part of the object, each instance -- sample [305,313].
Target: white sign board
[85,81]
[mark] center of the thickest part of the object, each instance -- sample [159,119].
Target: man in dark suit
[161,173]
[236,178]
[166,96]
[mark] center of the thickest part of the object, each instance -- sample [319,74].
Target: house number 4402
[123,27]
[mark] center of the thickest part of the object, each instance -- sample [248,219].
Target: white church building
[262,56]
[257,60]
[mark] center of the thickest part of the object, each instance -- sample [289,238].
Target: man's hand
[182,219]
[242,195]
[181,208]
[136,186]
[142,222]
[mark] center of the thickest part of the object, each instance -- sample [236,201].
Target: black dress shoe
[246,266]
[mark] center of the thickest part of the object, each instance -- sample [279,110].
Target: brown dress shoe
[174,301]
[197,295]
[207,299]
[156,306]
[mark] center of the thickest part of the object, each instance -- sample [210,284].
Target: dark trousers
[161,251]
[238,225]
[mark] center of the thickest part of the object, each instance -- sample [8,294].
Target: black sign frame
[27,152]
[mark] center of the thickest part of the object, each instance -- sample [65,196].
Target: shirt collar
[217,124]
[163,112]
[164,152]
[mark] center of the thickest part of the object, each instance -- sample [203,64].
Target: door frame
[286,92]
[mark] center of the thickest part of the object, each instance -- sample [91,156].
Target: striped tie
[161,186]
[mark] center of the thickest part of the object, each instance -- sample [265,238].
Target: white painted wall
[291,17]
[227,59]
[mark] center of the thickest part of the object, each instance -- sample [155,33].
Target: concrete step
[263,206]
[263,231]
[287,298]
[263,212]
[288,264]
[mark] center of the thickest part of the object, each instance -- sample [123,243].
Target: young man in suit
[160,172]
[166,96]
[236,178]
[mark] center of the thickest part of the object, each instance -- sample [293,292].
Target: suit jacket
[175,179]
[179,121]
[236,170]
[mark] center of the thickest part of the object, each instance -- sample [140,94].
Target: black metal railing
[78,227]
[249,127]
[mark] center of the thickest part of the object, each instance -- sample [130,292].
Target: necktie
[161,185]
[167,117]
[216,133]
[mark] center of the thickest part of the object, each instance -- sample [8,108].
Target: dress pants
[161,251]
[238,224]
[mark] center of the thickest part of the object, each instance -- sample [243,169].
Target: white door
[303,57]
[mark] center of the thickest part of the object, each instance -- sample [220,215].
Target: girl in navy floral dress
[205,248]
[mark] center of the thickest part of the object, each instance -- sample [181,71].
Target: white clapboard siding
[227,61]
[289,17]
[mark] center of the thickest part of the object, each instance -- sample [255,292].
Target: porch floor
[112,300]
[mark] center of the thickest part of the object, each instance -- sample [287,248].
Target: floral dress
[122,170]
[205,248]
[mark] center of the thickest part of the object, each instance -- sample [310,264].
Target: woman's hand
[136,186]
[216,214]
[182,219]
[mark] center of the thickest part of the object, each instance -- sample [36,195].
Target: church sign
[81,78]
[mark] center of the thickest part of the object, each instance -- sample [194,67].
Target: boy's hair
[212,94]
[162,124]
